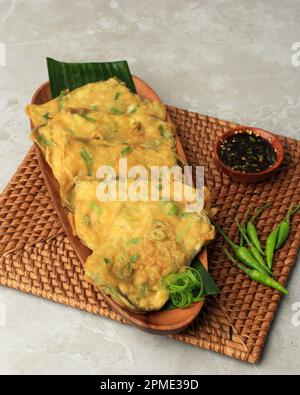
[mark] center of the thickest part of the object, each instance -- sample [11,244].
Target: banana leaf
[63,75]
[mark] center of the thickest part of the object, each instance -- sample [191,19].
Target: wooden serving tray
[168,321]
[36,256]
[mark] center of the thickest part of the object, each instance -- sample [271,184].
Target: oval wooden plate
[160,322]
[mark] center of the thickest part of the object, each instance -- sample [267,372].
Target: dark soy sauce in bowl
[247,152]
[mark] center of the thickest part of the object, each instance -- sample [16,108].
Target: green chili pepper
[254,251]
[251,230]
[257,276]
[270,246]
[242,253]
[284,227]
[244,227]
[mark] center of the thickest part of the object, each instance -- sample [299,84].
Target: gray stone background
[225,58]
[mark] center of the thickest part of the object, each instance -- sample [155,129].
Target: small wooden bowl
[250,177]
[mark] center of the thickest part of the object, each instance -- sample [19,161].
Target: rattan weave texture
[36,256]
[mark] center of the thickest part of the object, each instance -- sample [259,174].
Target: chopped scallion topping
[86,220]
[134,258]
[94,107]
[87,157]
[132,109]
[185,288]
[161,130]
[136,240]
[116,111]
[171,208]
[87,118]
[96,208]
[127,150]
[61,99]
[42,139]
[47,116]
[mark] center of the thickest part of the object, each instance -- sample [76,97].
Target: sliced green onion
[143,289]
[61,99]
[47,116]
[125,271]
[135,240]
[107,261]
[172,208]
[117,95]
[42,139]
[181,284]
[182,300]
[157,234]
[134,258]
[185,288]
[127,150]
[87,157]
[161,130]
[116,111]
[86,220]
[87,118]
[96,208]
[94,107]
[186,213]
[132,109]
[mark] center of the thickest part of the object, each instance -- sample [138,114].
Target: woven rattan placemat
[36,256]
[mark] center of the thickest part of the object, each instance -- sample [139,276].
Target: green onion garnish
[61,99]
[87,157]
[116,111]
[134,258]
[132,109]
[96,208]
[117,95]
[125,151]
[143,289]
[42,139]
[185,288]
[171,208]
[136,240]
[47,116]
[94,107]
[86,220]
[107,261]
[87,118]
[161,130]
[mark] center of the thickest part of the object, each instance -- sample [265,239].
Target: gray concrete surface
[230,59]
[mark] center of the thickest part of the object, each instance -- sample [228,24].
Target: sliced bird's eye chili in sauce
[247,152]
